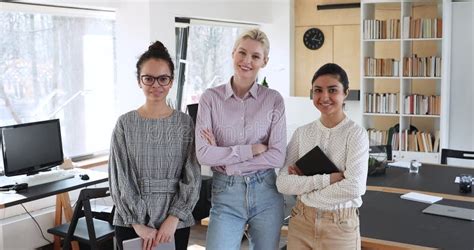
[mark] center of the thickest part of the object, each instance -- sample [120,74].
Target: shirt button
[242,117]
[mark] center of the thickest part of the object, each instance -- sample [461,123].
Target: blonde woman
[240,132]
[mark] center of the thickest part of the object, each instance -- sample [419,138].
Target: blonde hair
[256,35]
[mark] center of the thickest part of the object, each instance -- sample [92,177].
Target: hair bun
[157,46]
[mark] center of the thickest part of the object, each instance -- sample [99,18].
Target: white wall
[133,37]
[300,111]
[461,104]
[280,33]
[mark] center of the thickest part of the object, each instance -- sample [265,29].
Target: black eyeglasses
[163,80]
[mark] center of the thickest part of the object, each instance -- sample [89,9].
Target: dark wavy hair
[155,51]
[335,70]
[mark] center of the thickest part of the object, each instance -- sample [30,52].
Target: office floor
[197,241]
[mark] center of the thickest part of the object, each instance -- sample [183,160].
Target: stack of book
[422,27]
[381,29]
[381,67]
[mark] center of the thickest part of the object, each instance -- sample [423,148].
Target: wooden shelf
[381,114]
[382,40]
[398,49]
[382,77]
[425,116]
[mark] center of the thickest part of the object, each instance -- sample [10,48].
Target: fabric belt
[159,186]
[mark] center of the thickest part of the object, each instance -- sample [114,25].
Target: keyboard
[46,177]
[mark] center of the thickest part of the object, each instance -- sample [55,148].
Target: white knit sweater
[347,146]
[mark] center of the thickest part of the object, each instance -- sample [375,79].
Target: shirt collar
[229,92]
[339,125]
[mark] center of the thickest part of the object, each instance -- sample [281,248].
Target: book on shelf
[381,29]
[407,140]
[425,143]
[415,139]
[436,142]
[415,66]
[420,142]
[422,27]
[383,103]
[388,67]
[416,104]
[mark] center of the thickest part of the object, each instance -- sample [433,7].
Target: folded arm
[212,155]
[355,176]
[293,184]
[274,156]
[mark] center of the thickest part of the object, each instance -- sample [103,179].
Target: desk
[432,179]
[387,217]
[58,188]
[389,222]
[400,223]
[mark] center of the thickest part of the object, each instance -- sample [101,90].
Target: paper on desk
[414,196]
[400,164]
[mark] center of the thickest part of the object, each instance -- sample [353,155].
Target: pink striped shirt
[238,123]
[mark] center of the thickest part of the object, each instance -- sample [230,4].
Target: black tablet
[316,162]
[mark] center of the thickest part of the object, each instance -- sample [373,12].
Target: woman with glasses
[241,133]
[153,172]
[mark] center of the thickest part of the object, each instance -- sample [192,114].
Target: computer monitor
[31,147]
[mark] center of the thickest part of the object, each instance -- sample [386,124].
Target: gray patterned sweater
[153,171]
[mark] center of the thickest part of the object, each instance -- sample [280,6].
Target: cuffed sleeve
[294,184]
[123,184]
[189,186]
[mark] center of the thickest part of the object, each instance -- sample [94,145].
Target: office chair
[85,229]
[451,153]
[192,111]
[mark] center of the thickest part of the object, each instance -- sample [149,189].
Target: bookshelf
[405,53]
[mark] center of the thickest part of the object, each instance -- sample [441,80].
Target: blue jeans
[238,201]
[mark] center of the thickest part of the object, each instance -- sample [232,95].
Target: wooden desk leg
[63,202]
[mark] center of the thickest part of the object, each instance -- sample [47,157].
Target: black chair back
[451,153]
[192,111]
[83,227]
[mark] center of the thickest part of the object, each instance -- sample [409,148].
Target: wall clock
[313,38]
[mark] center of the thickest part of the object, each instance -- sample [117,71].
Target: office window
[203,56]
[59,63]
